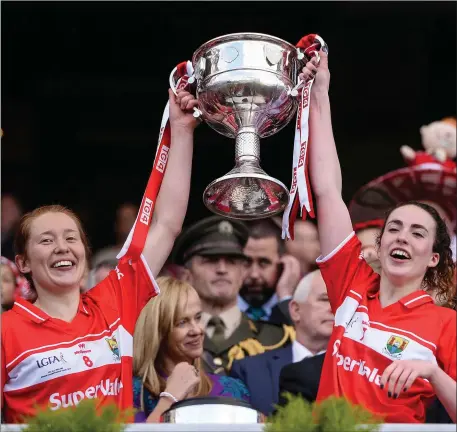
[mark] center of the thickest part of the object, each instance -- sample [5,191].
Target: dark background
[84,85]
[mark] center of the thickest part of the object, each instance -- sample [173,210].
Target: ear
[22,264]
[434,260]
[186,276]
[294,311]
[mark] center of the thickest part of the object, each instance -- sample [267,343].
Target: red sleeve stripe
[356,293]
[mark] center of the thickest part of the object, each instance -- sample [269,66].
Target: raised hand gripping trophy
[246,85]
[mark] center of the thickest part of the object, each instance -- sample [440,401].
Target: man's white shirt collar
[299,352]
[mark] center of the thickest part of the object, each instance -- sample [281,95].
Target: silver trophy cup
[243,88]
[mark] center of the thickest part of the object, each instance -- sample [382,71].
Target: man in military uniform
[212,253]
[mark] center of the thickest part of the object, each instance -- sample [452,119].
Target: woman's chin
[194,353]
[398,275]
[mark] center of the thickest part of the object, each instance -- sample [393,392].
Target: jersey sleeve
[446,348]
[345,272]
[3,377]
[127,289]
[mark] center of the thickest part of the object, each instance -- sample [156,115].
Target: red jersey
[367,338]
[50,362]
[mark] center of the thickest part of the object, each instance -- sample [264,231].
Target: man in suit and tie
[271,274]
[313,319]
[211,253]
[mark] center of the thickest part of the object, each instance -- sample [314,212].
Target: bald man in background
[313,320]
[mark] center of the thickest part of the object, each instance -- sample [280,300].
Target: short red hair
[23,232]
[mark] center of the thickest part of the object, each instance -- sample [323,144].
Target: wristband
[168,395]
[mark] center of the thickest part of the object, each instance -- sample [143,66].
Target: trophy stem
[247,145]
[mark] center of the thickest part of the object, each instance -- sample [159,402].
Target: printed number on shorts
[88,361]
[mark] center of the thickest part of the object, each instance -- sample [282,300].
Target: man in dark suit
[271,275]
[301,379]
[211,253]
[313,320]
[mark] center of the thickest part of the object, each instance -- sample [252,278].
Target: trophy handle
[175,84]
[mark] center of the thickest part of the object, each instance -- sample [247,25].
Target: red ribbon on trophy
[133,246]
[300,197]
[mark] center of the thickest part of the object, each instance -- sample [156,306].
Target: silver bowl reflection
[243,82]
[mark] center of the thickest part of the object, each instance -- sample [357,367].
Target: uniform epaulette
[289,336]
[253,327]
[253,347]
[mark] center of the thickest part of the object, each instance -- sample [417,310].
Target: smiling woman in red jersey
[392,349]
[64,347]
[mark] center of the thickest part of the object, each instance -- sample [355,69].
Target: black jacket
[301,378]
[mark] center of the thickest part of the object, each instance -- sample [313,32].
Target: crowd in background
[241,313]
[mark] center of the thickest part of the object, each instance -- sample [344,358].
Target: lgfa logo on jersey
[46,361]
[114,347]
[395,346]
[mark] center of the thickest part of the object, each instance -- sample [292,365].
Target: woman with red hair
[67,346]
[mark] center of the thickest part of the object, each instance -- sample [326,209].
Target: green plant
[84,417]
[331,415]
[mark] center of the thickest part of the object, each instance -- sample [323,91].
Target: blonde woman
[167,346]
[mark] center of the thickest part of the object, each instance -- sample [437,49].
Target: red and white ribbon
[300,197]
[133,246]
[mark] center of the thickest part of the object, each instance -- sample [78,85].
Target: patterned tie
[219,330]
[256,313]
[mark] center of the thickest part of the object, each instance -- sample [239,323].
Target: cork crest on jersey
[114,347]
[395,346]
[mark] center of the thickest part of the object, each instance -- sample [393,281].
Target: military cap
[214,235]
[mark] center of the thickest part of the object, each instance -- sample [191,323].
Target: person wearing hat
[211,252]
[430,178]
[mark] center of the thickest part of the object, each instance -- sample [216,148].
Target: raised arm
[173,197]
[334,222]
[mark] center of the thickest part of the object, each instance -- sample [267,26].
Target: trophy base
[246,196]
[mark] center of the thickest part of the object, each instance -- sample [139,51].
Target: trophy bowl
[212,410]
[243,82]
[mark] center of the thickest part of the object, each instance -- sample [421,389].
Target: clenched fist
[319,70]
[181,109]
[182,380]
